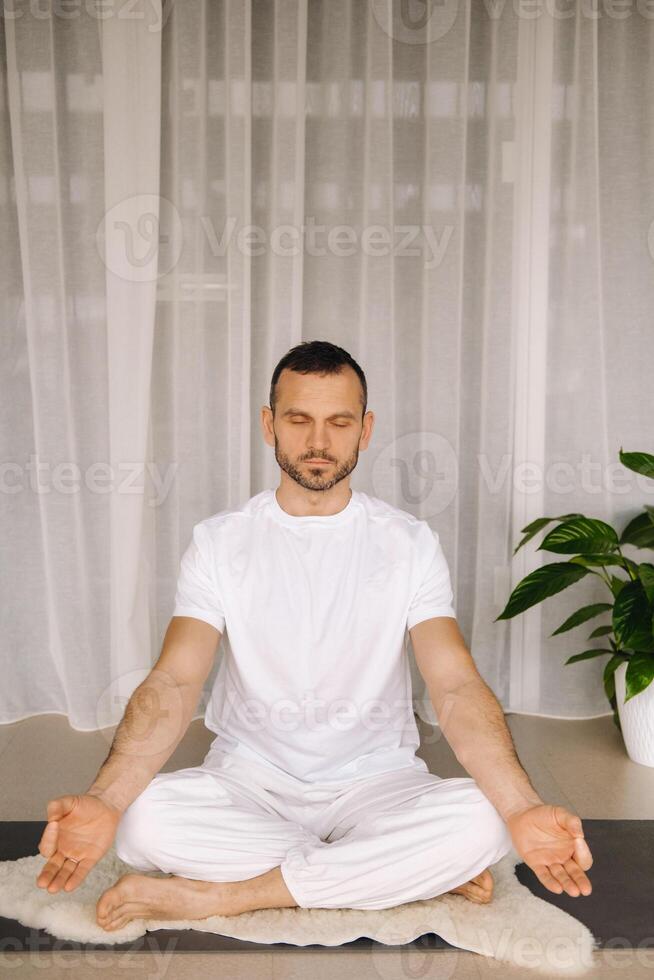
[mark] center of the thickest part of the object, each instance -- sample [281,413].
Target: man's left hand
[551,841]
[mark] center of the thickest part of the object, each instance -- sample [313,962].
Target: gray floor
[580,764]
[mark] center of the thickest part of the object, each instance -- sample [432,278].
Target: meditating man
[311,793]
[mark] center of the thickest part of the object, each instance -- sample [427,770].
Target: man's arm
[548,838]
[158,712]
[470,716]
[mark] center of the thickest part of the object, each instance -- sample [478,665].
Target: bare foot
[479,889]
[137,896]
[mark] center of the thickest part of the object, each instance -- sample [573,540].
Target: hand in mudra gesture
[551,841]
[79,832]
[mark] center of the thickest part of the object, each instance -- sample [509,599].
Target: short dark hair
[317,357]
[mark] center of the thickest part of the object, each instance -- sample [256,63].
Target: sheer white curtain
[464,202]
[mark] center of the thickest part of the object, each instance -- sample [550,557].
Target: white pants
[370,843]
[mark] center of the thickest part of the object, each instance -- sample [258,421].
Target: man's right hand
[79,827]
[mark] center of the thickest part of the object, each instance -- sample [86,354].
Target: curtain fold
[464,202]
[128,243]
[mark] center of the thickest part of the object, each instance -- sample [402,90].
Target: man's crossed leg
[232,846]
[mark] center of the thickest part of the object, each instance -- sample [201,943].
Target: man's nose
[318,442]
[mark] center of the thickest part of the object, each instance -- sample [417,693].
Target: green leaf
[632,617]
[639,532]
[617,585]
[646,576]
[581,535]
[590,560]
[540,584]
[586,655]
[609,671]
[616,718]
[583,614]
[638,462]
[629,564]
[640,672]
[600,631]
[536,526]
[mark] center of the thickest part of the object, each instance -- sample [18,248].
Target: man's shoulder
[234,515]
[387,515]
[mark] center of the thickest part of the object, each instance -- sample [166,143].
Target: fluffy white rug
[515,927]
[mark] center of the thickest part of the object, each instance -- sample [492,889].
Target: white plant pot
[636,719]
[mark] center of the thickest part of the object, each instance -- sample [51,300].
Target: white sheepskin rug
[515,927]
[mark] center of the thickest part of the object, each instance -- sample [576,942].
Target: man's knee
[136,832]
[490,830]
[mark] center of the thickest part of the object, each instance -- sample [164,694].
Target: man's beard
[314,478]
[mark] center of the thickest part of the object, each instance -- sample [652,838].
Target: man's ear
[369,423]
[265,416]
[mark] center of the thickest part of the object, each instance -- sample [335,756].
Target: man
[293,806]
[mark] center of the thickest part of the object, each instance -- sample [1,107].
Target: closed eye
[341,425]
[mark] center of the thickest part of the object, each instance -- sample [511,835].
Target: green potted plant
[594,548]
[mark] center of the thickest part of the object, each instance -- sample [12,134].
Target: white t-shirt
[315,679]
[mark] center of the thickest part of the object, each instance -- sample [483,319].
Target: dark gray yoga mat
[618,912]
[21,839]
